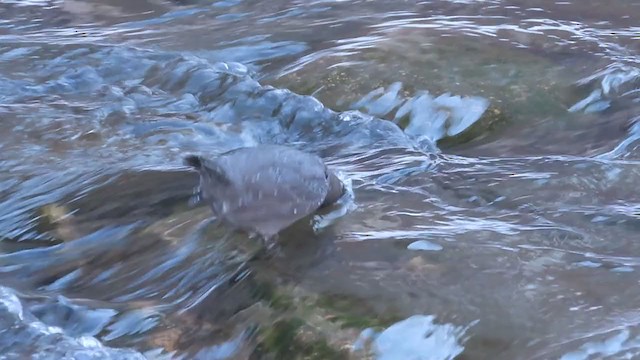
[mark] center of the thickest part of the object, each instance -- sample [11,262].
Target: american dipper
[265,189]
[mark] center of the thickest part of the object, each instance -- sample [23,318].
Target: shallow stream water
[491,148]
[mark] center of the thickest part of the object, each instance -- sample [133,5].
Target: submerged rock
[267,188]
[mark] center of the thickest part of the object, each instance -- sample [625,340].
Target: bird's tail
[208,168]
[194,161]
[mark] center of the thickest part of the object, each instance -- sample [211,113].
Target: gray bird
[265,189]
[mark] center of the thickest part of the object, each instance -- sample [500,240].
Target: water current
[491,151]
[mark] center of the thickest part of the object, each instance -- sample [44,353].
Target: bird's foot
[270,243]
[268,250]
[195,199]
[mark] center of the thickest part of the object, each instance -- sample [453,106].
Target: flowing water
[491,150]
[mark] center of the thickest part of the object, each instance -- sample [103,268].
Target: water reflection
[490,150]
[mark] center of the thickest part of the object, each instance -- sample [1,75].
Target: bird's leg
[196,198]
[268,249]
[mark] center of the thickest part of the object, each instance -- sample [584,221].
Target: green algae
[284,340]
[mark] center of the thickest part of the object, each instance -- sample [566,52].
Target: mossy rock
[520,85]
[491,122]
[285,340]
[307,325]
[351,312]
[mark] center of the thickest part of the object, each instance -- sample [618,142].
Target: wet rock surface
[489,152]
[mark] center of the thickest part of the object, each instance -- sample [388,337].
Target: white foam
[416,338]
[28,337]
[345,205]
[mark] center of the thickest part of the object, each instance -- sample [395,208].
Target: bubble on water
[600,218]
[588,264]
[424,245]
[622,269]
